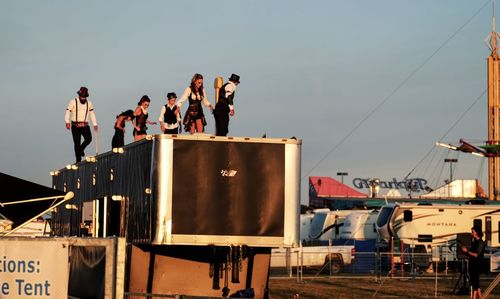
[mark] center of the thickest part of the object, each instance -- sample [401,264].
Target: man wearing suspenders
[76,117]
[224,107]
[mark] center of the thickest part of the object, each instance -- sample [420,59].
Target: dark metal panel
[228,188]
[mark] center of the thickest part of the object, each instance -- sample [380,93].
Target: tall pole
[493,111]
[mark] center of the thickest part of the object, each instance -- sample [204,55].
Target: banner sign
[33,269]
[414,185]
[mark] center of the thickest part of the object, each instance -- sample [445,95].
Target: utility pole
[342,174]
[451,161]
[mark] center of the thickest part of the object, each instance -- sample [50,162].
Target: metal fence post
[402,258]
[392,257]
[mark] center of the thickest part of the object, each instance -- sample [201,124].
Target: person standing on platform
[76,117]
[194,119]
[140,120]
[119,136]
[224,107]
[170,116]
[475,254]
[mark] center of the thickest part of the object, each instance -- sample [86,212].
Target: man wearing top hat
[77,114]
[224,107]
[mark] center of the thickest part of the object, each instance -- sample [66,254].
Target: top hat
[234,78]
[171,95]
[83,92]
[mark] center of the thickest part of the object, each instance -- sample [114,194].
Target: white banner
[32,268]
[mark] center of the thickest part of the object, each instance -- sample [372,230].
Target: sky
[368,86]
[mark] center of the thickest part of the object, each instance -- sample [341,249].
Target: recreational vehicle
[437,224]
[360,225]
[305,225]
[326,225]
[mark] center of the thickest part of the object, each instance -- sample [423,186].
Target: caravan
[437,224]
[326,225]
[360,225]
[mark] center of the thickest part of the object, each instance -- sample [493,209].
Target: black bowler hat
[234,78]
[171,95]
[83,92]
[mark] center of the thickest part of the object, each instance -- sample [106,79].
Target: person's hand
[231,112]
[211,108]
[96,128]
[68,126]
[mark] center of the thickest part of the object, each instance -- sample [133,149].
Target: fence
[409,262]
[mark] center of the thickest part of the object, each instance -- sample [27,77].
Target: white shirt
[187,93]
[83,113]
[230,89]
[162,118]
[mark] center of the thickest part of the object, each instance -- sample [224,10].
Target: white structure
[360,225]
[326,225]
[456,189]
[305,225]
[433,224]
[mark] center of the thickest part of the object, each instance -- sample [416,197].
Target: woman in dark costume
[119,137]
[141,118]
[194,119]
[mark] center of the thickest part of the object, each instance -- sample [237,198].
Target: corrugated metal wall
[127,174]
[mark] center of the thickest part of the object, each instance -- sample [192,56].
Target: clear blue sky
[315,70]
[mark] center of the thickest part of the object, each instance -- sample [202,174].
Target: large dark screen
[228,188]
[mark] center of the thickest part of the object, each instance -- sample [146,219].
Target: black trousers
[221,114]
[474,271]
[77,133]
[171,131]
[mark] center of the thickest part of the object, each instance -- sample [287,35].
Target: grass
[369,287]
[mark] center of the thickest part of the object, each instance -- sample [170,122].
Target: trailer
[360,225]
[199,213]
[437,224]
[326,225]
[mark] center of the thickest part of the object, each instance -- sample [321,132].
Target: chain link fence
[379,263]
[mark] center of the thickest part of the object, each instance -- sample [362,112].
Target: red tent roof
[325,186]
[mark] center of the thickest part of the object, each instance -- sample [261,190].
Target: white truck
[327,259]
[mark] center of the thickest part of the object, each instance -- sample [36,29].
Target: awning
[21,200]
